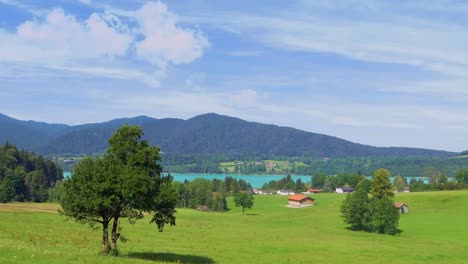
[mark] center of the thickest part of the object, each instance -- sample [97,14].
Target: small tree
[381,185]
[400,183]
[125,182]
[245,200]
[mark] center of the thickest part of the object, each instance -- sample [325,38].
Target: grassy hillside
[434,231]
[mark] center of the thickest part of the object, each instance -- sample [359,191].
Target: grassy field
[434,231]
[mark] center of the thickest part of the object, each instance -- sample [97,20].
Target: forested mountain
[208,134]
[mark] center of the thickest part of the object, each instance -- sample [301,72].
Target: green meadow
[434,231]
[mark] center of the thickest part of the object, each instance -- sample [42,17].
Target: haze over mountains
[206,134]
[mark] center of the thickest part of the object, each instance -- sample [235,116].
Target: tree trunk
[105,237]
[243,209]
[114,235]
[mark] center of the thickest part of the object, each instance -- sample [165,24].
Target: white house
[285,192]
[344,190]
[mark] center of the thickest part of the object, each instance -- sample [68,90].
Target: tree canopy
[244,200]
[381,185]
[27,177]
[373,214]
[125,182]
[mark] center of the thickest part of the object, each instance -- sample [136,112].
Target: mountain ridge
[206,134]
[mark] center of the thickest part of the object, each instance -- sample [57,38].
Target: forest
[25,176]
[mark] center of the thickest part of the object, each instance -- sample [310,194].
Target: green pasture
[434,231]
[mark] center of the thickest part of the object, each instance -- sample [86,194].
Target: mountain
[208,134]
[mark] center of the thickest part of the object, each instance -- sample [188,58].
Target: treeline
[27,177]
[437,180]
[411,166]
[208,194]
[286,183]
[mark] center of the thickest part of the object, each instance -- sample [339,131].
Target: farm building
[314,190]
[344,190]
[300,200]
[285,192]
[402,207]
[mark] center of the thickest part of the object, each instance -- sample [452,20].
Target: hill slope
[206,134]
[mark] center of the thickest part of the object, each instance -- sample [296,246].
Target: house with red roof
[299,200]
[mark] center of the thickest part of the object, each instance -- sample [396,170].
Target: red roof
[398,205]
[298,197]
[314,190]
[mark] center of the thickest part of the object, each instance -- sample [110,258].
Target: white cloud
[164,41]
[62,36]
[103,44]
[370,31]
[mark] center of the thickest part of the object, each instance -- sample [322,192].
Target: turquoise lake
[256,180]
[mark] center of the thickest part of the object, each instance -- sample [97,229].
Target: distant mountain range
[208,134]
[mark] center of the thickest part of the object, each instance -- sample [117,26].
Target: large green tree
[381,185]
[373,214]
[355,208]
[125,182]
[384,216]
[244,200]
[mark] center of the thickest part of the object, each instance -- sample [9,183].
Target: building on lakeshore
[300,200]
[285,192]
[314,191]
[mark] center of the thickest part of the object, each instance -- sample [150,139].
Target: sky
[372,72]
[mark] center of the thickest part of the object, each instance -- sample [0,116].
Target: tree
[384,216]
[125,182]
[400,183]
[318,180]
[7,191]
[355,208]
[37,186]
[462,176]
[381,185]
[245,200]
[373,215]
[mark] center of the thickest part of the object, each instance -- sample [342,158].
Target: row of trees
[27,177]
[286,183]
[329,183]
[210,194]
[374,213]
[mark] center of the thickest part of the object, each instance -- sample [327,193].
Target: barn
[402,207]
[300,200]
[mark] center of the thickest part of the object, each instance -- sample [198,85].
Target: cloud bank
[105,44]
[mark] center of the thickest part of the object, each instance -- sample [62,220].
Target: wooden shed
[300,200]
[402,207]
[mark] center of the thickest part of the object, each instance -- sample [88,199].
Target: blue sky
[372,72]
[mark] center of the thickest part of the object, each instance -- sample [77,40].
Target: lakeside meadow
[434,231]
